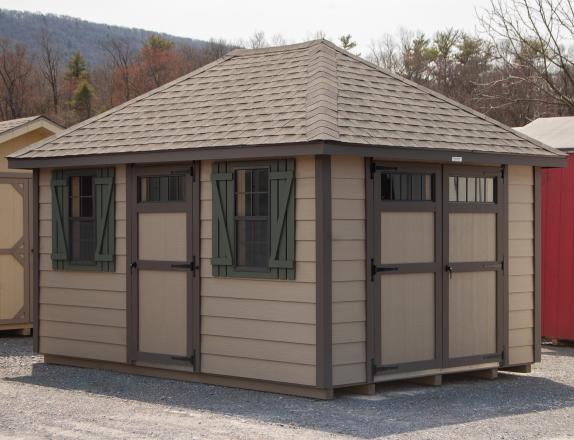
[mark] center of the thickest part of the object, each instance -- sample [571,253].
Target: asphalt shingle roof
[300,93]
[11,124]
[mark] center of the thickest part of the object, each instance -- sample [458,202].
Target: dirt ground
[43,401]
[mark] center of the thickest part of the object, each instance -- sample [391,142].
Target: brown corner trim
[537,265]
[505,274]
[226,381]
[36,259]
[323,243]
[295,149]
[369,284]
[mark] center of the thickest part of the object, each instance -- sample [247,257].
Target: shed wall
[349,266]
[15,144]
[257,328]
[82,314]
[521,264]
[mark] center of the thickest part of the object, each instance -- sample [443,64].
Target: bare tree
[385,53]
[121,55]
[534,49]
[257,40]
[50,66]
[15,71]
[278,40]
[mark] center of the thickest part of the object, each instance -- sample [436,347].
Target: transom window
[407,187]
[167,188]
[82,219]
[465,189]
[252,219]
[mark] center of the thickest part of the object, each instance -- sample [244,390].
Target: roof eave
[295,149]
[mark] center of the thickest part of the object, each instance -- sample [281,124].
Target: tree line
[516,67]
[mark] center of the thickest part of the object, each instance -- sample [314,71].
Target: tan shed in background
[16,222]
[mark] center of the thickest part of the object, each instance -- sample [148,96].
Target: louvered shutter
[283,218]
[105,219]
[60,227]
[222,206]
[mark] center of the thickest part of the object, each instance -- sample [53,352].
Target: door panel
[408,310]
[472,314]
[14,251]
[163,312]
[472,237]
[412,239]
[164,306]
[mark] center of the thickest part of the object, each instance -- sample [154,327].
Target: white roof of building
[555,132]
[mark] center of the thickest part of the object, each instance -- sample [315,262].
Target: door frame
[373,239]
[500,210]
[192,207]
[374,208]
[23,253]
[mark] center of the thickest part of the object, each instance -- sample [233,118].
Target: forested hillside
[73,34]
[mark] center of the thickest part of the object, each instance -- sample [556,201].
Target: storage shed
[557,229]
[291,219]
[16,222]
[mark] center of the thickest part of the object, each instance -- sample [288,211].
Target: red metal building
[557,235]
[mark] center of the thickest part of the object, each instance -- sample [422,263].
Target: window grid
[82,219]
[407,187]
[471,189]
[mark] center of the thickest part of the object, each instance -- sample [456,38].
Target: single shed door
[407,268]
[474,252]
[14,251]
[164,304]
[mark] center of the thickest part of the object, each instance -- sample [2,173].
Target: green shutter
[283,219]
[60,227]
[222,191]
[105,219]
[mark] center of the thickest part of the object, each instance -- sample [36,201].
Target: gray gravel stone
[45,401]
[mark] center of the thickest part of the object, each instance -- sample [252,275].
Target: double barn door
[437,267]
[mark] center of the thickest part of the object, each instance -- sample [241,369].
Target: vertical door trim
[501,250]
[193,246]
[323,243]
[35,250]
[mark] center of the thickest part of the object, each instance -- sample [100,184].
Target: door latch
[450,270]
[191,266]
[134,265]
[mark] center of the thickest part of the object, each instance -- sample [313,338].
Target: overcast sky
[296,20]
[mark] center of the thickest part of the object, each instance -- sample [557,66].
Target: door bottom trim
[433,371]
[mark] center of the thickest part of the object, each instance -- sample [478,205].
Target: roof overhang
[27,127]
[299,149]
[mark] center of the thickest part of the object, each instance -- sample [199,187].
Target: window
[466,189]
[407,187]
[167,188]
[83,219]
[253,219]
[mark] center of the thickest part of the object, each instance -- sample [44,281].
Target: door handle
[191,266]
[449,269]
[134,265]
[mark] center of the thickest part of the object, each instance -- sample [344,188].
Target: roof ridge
[443,97]
[321,104]
[284,48]
[117,108]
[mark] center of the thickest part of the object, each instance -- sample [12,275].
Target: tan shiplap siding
[521,264]
[348,254]
[255,328]
[83,314]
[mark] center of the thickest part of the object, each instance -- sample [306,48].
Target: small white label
[456,159]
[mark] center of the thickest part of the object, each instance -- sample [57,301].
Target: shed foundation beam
[490,374]
[433,381]
[527,368]
[367,389]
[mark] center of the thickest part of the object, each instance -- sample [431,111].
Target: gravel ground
[43,401]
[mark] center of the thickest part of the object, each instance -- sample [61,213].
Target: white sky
[296,20]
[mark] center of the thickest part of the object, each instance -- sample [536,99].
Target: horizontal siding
[257,328]
[348,270]
[521,264]
[82,314]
